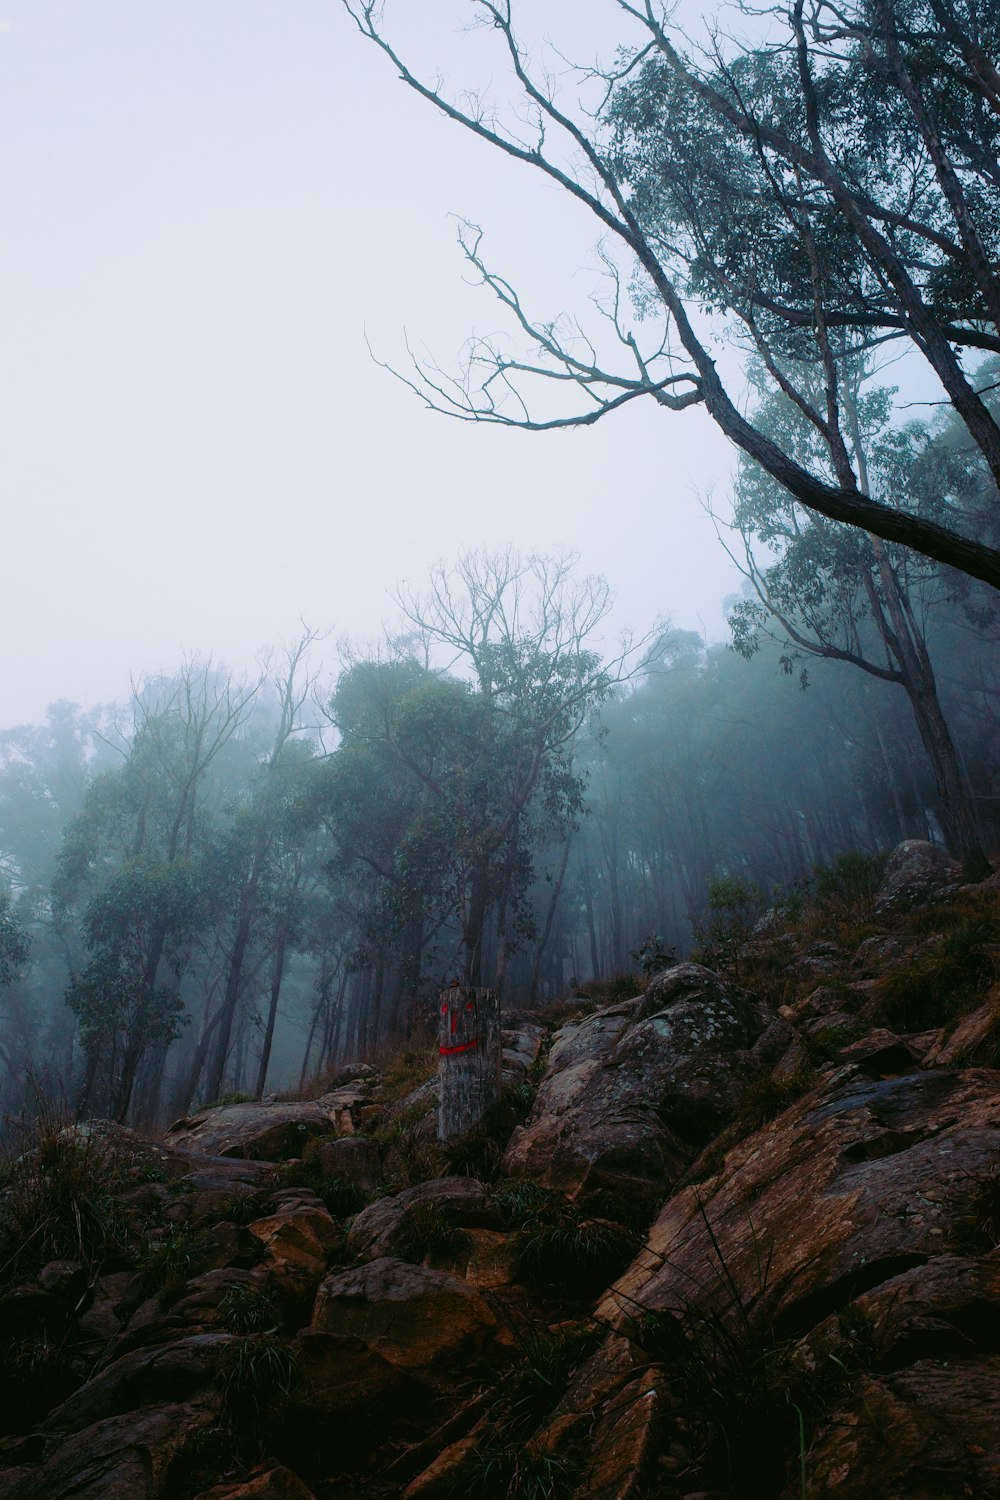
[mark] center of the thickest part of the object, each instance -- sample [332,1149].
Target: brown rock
[340,1375]
[353,1159]
[277,1483]
[854,1184]
[441,1475]
[263,1131]
[422,1321]
[973,1031]
[625,1441]
[930,1430]
[383,1227]
[118,1458]
[299,1238]
[113,1296]
[633,1090]
[491,1259]
[917,874]
[171,1372]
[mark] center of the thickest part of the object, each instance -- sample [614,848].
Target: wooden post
[468,1058]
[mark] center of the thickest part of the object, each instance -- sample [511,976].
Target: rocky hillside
[735,1234]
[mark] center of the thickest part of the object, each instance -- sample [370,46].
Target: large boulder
[298,1236]
[633,1091]
[855,1229]
[917,874]
[423,1322]
[268,1130]
[851,1185]
[392,1225]
[118,1458]
[171,1372]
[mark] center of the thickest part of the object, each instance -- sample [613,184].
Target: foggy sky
[205,208]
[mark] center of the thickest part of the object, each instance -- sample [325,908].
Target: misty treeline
[226,883]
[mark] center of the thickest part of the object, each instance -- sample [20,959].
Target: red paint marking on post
[465,1047]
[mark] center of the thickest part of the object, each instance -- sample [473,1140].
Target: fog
[208,210]
[316,698]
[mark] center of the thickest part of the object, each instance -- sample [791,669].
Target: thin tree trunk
[277,973]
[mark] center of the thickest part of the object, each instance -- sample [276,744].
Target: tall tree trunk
[549,918]
[277,974]
[959,818]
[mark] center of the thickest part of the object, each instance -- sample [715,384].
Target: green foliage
[528,1392]
[58,1201]
[428,1232]
[749,1400]
[15,943]
[256,1375]
[558,1246]
[510,1471]
[947,978]
[653,956]
[168,1263]
[735,906]
[621,987]
[341,1198]
[247,1309]
[851,882]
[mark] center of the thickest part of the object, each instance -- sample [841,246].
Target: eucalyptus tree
[838,593]
[521,629]
[130,865]
[839,175]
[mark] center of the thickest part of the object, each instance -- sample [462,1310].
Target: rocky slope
[735,1235]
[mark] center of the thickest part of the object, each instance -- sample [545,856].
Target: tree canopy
[829,188]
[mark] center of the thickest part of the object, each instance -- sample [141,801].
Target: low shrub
[558,1246]
[249,1309]
[851,883]
[749,1401]
[58,1201]
[428,1232]
[255,1375]
[946,979]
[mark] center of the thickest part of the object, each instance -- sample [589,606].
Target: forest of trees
[221,885]
[225,884]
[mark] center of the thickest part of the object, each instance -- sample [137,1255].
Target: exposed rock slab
[632,1091]
[424,1322]
[383,1227]
[916,874]
[118,1458]
[851,1185]
[267,1130]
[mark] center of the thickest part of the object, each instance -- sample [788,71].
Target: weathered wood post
[468,1058]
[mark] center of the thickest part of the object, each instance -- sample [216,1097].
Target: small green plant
[559,1246]
[59,1202]
[653,956]
[735,906]
[621,987]
[946,980]
[851,883]
[246,1308]
[429,1233]
[505,1464]
[256,1375]
[167,1264]
[341,1198]
[231,1096]
[510,1471]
